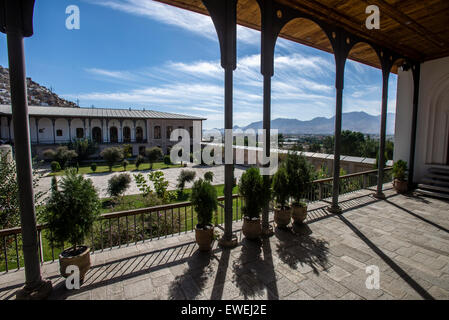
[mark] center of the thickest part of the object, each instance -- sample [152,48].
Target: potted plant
[399,172]
[281,193]
[256,194]
[70,213]
[300,174]
[204,201]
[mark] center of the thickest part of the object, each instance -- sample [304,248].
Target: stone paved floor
[100,180]
[407,238]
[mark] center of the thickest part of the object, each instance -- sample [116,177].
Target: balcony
[406,237]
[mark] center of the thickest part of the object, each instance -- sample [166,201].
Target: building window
[139,134]
[169,131]
[96,135]
[126,134]
[59,133]
[157,132]
[79,133]
[113,134]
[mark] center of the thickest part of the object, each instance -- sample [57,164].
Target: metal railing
[118,229]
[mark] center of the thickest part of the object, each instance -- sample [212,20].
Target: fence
[123,228]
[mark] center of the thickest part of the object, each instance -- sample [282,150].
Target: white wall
[432,134]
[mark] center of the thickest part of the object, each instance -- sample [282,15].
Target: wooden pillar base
[379,195]
[267,232]
[40,291]
[224,242]
[335,210]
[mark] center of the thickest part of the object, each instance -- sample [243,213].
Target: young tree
[83,147]
[112,155]
[118,184]
[153,154]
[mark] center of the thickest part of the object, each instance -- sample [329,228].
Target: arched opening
[157,132]
[362,107]
[126,134]
[79,133]
[139,134]
[113,134]
[96,135]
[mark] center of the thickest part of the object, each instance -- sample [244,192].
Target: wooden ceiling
[417,29]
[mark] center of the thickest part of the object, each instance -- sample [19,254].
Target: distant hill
[37,95]
[354,121]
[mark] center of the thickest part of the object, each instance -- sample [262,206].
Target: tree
[185,176]
[83,147]
[112,155]
[315,147]
[204,201]
[153,154]
[9,192]
[118,184]
[255,191]
[61,155]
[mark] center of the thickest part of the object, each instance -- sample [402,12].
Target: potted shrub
[399,174]
[70,213]
[204,201]
[300,174]
[281,193]
[256,194]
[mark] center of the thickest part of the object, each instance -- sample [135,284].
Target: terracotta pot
[299,213]
[401,186]
[204,238]
[282,217]
[81,260]
[252,229]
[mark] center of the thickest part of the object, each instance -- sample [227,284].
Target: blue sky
[143,54]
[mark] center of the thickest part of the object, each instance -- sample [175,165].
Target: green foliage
[118,184]
[167,160]
[72,209]
[61,154]
[159,183]
[185,176]
[323,172]
[83,147]
[280,186]
[127,150]
[400,169]
[142,185]
[125,164]
[204,201]
[9,192]
[55,166]
[300,174]
[139,160]
[256,192]
[93,167]
[153,154]
[209,176]
[315,147]
[112,155]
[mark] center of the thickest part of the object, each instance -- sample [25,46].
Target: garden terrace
[405,236]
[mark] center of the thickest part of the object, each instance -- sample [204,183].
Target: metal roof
[52,111]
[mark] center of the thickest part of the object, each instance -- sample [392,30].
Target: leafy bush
[185,176]
[125,164]
[61,155]
[142,185]
[127,150]
[139,160]
[300,173]
[209,176]
[153,154]
[255,191]
[55,166]
[204,201]
[167,160]
[281,189]
[400,169]
[72,209]
[93,167]
[112,155]
[159,183]
[83,147]
[118,184]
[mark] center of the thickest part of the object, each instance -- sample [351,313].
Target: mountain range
[354,121]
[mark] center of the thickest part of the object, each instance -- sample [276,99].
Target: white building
[53,126]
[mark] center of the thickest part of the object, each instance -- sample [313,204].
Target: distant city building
[52,126]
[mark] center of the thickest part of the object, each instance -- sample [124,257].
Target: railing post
[17,19]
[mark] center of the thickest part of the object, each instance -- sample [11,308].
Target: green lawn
[101,168]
